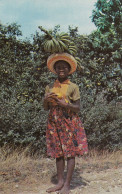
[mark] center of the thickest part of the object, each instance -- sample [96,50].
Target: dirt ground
[88,178]
[108,181]
[104,182]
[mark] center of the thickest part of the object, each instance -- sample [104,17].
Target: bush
[23,124]
[103,124]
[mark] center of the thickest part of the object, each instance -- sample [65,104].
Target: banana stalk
[46,32]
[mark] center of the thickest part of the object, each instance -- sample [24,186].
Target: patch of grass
[20,169]
[100,160]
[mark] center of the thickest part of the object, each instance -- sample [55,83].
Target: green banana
[72,47]
[79,63]
[56,44]
[46,45]
[78,59]
[52,45]
[49,43]
[72,50]
[65,40]
[65,37]
[63,34]
[63,46]
[72,43]
[60,50]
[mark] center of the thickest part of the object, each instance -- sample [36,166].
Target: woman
[65,135]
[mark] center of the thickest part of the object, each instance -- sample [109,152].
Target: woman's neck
[62,79]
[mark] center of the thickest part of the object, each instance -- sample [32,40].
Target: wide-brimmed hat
[52,59]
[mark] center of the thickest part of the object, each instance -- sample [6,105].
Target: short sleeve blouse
[67,89]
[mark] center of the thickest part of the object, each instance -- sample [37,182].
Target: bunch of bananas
[54,46]
[59,43]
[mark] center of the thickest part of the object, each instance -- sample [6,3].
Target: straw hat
[52,59]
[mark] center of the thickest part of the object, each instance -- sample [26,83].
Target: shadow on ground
[77,180]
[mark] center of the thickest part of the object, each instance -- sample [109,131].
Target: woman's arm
[45,104]
[75,106]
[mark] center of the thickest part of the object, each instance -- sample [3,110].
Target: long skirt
[65,135]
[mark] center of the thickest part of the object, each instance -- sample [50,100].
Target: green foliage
[23,124]
[107,15]
[103,124]
[24,76]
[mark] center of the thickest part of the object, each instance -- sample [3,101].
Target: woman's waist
[61,111]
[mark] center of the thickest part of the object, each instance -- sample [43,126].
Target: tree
[107,42]
[107,15]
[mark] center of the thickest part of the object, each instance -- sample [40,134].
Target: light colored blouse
[67,90]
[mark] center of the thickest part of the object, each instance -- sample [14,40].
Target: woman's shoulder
[74,85]
[50,85]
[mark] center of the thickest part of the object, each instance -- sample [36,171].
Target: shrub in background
[23,77]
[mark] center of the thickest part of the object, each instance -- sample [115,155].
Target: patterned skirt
[65,135]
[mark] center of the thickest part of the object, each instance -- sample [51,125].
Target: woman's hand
[61,102]
[49,97]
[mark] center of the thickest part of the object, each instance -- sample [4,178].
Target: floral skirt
[65,135]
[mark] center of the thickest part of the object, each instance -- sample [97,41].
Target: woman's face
[62,69]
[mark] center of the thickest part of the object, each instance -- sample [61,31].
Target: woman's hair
[62,62]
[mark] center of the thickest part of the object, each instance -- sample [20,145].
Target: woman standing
[65,135]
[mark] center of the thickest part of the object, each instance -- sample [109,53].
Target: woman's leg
[70,169]
[60,163]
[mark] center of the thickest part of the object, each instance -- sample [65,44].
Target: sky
[48,13]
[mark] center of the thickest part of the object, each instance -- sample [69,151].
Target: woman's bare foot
[55,188]
[64,190]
